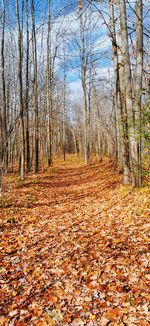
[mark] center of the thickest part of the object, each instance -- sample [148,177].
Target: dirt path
[74,249]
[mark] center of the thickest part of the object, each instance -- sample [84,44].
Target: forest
[74,162]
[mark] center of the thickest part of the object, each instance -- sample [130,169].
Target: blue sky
[67,21]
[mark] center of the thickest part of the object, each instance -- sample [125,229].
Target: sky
[101,46]
[66,24]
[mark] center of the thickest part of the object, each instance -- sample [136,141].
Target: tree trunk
[49,85]
[138,88]
[4,144]
[128,91]
[84,87]
[120,96]
[20,59]
[117,82]
[64,102]
[27,92]
[35,95]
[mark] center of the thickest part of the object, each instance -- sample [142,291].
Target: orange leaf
[113,313]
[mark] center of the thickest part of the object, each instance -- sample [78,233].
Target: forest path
[74,249]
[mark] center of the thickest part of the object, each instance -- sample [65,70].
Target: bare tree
[122,123]
[27,90]
[3,117]
[20,60]
[138,89]
[35,93]
[49,85]
[84,85]
[128,90]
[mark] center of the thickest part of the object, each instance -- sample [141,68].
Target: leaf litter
[74,249]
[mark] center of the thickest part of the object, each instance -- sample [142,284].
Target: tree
[138,90]
[35,94]
[122,121]
[20,87]
[28,163]
[49,85]
[128,87]
[64,100]
[3,116]
[86,119]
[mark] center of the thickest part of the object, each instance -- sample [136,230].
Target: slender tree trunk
[138,88]
[74,141]
[64,104]
[84,87]
[116,98]
[49,86]
[4,144]
[27,92]
[35,94]
[123,112]
[20,59]
[115,127]
[90,86]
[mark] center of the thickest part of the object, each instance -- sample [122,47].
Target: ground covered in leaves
[74,248]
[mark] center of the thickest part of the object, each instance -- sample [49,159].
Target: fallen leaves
[74,250]
[113,313]
[104,321]
[92,317]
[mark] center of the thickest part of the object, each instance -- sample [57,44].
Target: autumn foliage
[74,248]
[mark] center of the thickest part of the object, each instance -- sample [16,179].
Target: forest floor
[74,248]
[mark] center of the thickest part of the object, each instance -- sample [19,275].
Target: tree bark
[84,87]
[128,91]
[122,123]
[20,59]
[4,152]
[27,92]
[49,85]
[138,89]
[35,94]
[64,101]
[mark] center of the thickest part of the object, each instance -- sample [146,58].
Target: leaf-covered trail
[74,249]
